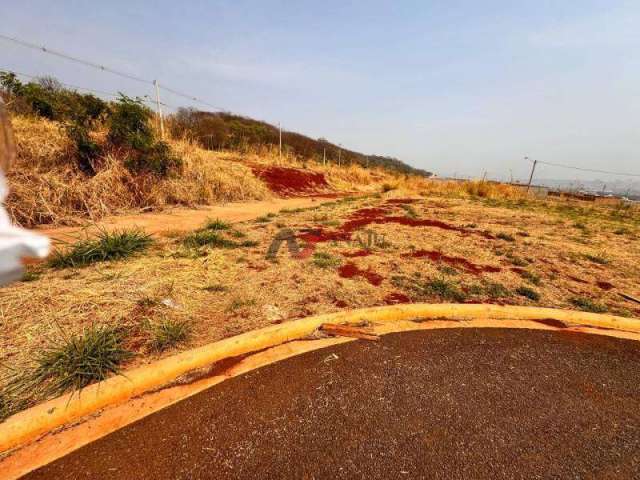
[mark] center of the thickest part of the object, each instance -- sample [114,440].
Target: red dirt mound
[292,181]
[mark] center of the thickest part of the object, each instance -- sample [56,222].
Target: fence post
[533,169]
[155,82]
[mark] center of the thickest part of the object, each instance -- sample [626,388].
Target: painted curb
[31,423]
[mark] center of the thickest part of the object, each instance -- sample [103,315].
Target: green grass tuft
[598,258]
[588,305]
[108,246]
[506,236]
[217,224]
[169,333]
[75,362]
[529,293]
[325,260]
[207,238]
[445,289]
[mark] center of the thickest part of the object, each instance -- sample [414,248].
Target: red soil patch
[340,304]
[605,285]
[395,298]
[291,181]
[357,253]
[435,256]
[317,235]
[350,270]
[367,216]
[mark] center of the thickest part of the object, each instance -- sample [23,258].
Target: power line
[74,59]
[591,170]
[103,68]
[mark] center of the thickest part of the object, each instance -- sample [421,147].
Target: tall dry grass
[46,186]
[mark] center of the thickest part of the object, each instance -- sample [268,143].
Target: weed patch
[108,246]
[588,305]
[168,333]
[325,260]
[529,293]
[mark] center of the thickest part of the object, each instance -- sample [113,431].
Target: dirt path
[468,403]
[183,219]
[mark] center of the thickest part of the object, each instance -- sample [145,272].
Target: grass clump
[168,333]
[325,260]
[410,211]
[238,303]
[598,258]
[445,289]
[529,293]
[217,225]
[532,277]
[207,238]
[506,236]
[108,246]
[77,361]
[30,276]
[588,305]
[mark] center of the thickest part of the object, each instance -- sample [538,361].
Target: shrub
[87,150]
[107,246]
[130,127]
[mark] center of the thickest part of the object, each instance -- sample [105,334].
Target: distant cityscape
[623,187]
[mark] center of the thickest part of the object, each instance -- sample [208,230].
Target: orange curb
[29,424]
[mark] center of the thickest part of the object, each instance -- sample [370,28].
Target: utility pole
[155,82]
[339,154]
[324,156]
[280,141]
[511,175]
[533,169]
[484,176]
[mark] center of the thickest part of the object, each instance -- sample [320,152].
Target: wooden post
[533,169]
[155,82]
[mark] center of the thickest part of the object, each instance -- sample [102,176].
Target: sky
[454,87]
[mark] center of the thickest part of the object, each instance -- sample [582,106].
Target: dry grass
[223,292]
[47,187]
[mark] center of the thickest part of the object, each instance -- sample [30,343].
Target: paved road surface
[443,404]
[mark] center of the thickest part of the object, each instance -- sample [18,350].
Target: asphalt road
[442,404]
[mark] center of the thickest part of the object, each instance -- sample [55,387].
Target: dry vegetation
[125,298]
[453,243]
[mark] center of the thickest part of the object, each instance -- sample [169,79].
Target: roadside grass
[215,287]
[168,333]
[588,305]
[67,364]
[108,246]
[529,293]
[490,289]
[437,287]
[212,235]
[325,260]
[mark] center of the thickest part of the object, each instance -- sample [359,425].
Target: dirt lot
[468,403]
[354,252]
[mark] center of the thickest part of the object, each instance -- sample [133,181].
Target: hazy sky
[449,86]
